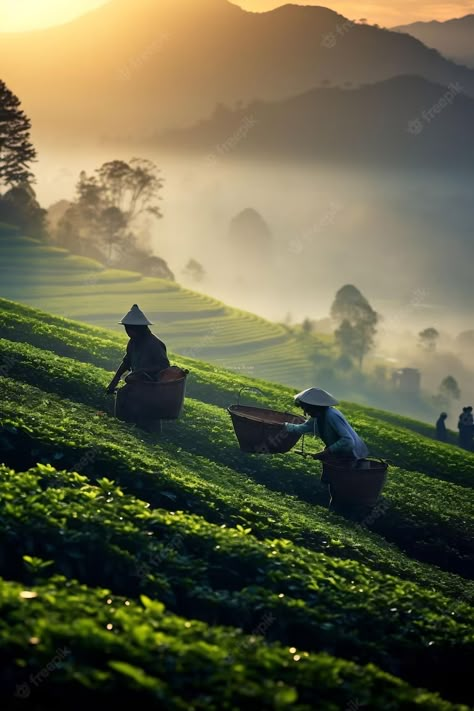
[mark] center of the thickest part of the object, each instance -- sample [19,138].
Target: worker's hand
[321,456]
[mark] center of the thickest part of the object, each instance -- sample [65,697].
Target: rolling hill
[168,64]
[453,38]
[191,323]
[176,571]
[404,122]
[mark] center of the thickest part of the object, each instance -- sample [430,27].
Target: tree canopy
[428,339]
[16,150]
[355,334]
[109,205]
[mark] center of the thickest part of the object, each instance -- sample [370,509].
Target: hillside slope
[182,545]
[193,323]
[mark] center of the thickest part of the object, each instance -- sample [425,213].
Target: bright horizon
[25,15]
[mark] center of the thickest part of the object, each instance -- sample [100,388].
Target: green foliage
[182,542]
[113,650]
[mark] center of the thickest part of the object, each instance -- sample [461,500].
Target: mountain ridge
[157,72]
[454,38]
[403,121]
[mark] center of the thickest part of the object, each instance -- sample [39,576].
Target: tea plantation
[53,279]
[176,571]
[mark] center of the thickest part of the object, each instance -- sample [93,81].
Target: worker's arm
[345,442]
[123,368]
[310,426]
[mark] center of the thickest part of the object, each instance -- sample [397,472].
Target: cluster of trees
[18,204]
[107,219]
[355,335]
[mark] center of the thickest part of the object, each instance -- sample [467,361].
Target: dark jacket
[146,353]
[441,431]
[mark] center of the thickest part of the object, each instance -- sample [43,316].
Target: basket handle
[248,387]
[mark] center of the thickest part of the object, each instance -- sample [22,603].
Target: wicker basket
[162,400]
[262,431]
[354,485]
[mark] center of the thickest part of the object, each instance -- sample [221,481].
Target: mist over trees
[355,334]
[107,220]
[428,339]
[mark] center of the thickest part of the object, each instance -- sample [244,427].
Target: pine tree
[16,149]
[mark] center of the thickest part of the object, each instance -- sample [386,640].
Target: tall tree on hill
[16,149]
[357,323]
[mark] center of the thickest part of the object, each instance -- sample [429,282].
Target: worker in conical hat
[146,354]
[342,443]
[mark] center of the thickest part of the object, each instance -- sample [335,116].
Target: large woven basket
[162,400]
[359,486]
[261,431]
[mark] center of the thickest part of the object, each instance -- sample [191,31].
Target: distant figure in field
[146,355]
[441,431]
[466,428]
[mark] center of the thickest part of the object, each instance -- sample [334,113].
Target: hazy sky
[18,15]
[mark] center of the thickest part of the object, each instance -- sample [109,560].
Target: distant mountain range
[405,122]
[133,68]
[454,38]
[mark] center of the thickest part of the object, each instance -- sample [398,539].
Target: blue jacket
[337,434]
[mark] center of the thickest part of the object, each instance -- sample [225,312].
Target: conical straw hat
[135,317]
[317,397]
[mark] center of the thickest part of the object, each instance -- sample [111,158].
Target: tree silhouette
[428,339]
[449,388]
[357,320]
[16,149]
[194,270]
[109,205]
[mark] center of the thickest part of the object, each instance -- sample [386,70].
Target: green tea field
[174,571]
[80,288]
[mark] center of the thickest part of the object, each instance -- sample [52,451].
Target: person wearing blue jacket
[342,443]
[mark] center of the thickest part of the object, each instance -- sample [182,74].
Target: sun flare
[25,15]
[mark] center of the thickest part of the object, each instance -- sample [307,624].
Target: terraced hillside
[176,571]
[57,281]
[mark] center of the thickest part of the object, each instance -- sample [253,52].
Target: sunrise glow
[25,15]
